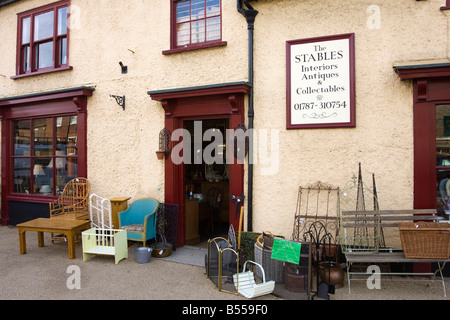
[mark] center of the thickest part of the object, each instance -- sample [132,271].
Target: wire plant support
[359,226]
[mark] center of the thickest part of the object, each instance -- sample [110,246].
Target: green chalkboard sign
[285,250]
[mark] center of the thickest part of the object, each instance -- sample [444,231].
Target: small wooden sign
[285,250]
[321,82]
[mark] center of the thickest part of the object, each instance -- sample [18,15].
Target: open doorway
[206,181]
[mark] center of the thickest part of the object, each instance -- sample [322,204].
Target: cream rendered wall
[122,144]
[383,137]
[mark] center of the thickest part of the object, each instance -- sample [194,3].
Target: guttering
[250,15]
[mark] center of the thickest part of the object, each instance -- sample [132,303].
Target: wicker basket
[274,269]
[425,240]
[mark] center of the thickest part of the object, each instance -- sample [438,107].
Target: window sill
[31,198]
[445,8]
[195,47]
[45,71]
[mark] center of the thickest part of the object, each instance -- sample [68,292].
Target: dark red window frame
[191,46]
[57,64]
[447,5]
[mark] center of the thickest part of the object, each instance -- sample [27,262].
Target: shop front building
[87,89]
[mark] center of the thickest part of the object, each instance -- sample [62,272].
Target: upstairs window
[43,39]
[196,24]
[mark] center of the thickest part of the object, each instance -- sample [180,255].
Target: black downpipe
[250,15]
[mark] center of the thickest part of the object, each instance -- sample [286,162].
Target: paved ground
[46,273]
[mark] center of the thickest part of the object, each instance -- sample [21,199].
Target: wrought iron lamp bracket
[120,100]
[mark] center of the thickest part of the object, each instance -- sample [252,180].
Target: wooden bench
[387,219]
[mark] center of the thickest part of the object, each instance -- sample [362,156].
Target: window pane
[197,9]
[183,11]
[43,26]
[43,176]
[26,58]
[443,135]
[66,135]
[62,21]
[213,29]
[212,8]
[63,51]
[44,55]
[183,34]
[198,31]
[26,30]
[22,181]
[43,137]
[443,158]
[22,138]
[71,172]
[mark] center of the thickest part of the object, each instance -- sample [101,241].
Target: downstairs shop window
[44,154]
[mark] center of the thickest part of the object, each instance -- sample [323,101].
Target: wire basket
[425,240]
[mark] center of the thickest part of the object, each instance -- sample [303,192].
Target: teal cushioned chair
[140,220]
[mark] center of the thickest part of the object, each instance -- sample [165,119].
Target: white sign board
[321,82]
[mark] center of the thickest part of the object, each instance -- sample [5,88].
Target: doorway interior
[206,181]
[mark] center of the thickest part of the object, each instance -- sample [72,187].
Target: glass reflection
[22,179]
[43,26]
[443,158]
[45,55]
[22,138]
[43,136]
[26,30]
[62,21]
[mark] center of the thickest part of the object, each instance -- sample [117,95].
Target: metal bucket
[143,254]
[295,278]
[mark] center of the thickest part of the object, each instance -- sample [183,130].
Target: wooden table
[41,225]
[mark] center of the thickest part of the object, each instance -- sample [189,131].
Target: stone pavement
[46,273]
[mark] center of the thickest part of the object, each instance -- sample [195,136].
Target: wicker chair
[72,204]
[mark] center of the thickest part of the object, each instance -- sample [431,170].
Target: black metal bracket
[120,100]
[124,68]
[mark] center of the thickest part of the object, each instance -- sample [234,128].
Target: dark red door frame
[431,85]
[205,102]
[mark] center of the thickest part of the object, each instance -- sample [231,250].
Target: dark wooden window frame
[72,101]
[193,46]
[57,65]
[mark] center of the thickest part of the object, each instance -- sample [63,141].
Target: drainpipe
[250,15]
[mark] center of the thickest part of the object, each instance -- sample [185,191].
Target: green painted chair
[140,220]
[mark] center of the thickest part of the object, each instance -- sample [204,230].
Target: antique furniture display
[73,202]
[245,282]
[69,228]
[140,220]
[111,242]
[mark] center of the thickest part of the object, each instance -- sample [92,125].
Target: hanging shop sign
[321,82]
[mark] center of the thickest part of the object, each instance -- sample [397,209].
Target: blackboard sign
[321,82]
